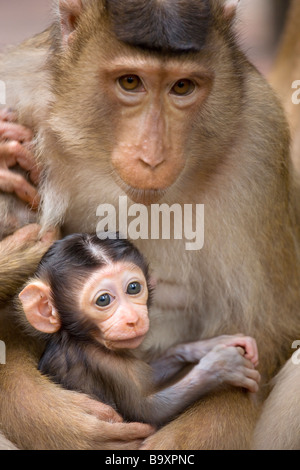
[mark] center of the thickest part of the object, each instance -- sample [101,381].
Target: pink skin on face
[124,322]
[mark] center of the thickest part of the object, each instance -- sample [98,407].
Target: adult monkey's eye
[183,87]
[103,300]
[134,288]
[130,83]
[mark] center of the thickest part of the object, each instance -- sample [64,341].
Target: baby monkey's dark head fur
[69,263]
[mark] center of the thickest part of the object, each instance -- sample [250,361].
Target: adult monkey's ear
[69,12]
[38,307]
[229,8]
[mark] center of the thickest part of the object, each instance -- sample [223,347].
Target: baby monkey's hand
[228,365]
[194,352]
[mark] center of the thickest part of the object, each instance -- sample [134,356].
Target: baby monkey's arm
[177,357]
[222,365]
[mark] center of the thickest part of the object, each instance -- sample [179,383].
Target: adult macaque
[91,298]
[154,100]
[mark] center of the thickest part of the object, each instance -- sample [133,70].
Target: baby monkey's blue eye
[134,288]
[103,300]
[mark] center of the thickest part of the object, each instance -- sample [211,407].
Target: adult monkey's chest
[176,310]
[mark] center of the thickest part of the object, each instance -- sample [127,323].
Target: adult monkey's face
[157,100]
[143,77]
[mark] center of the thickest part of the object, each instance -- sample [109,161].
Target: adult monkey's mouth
[142,196]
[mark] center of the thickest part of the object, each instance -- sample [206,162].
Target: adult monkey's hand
[20,252]
[15,150]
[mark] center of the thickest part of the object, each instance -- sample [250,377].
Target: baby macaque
[91,298]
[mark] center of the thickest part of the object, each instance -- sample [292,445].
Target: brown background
[20,19]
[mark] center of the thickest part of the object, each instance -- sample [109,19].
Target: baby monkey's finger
[250,348]
[251,385]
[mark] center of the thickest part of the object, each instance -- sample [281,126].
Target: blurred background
[259,25]
[20,19]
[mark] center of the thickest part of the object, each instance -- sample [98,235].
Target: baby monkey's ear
[38,307]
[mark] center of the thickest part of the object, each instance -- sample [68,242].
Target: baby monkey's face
[115,299]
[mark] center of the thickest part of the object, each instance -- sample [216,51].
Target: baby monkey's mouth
[130,343]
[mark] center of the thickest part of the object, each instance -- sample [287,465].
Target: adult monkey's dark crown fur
[166,26]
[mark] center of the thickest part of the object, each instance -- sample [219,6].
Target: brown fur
[118,379]
[14,215]
[246,278]
[279,425]
[209,419]
[19,257]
